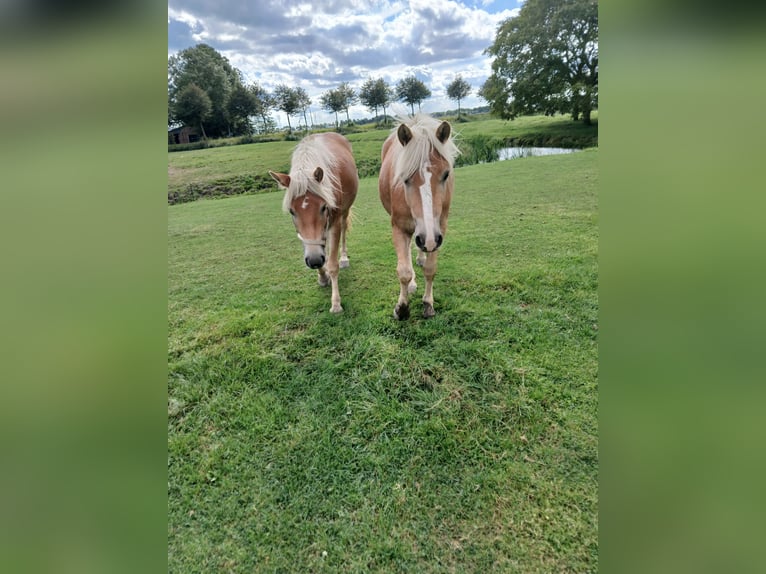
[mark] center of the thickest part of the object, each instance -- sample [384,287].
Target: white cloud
[320,44]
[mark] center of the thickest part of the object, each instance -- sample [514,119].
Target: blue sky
[319,44]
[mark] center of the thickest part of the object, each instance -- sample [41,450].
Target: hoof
[401,312]
[412,287]
[421,259]
[336,309]
[323,281]
[428,310]
[344,263]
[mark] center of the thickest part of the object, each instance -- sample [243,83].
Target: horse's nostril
[419,241]
[439,239]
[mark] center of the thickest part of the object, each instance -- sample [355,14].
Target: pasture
[303,441]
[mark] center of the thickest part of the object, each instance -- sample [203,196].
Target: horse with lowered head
[415,185]
[319,192]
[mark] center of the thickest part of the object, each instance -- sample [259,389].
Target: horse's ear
[281,178]
[443,131]
[404,134]
[318,174]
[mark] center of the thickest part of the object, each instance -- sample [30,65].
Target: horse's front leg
[343,253]
[429,270]
[405,272]
[333,240]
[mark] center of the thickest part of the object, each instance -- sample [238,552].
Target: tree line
[545,61]
[206,91]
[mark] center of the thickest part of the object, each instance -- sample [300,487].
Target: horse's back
[335,141]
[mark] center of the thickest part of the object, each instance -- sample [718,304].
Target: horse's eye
[323,209]
[292,212]
[445,176]
[407,181]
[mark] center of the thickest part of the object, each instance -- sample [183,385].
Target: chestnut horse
[415,186]
[320,190]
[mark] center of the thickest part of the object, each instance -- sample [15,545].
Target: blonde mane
[307,156]
[418,150]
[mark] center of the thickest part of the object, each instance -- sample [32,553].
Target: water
[517,152]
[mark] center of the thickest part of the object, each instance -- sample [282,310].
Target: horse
[319,193]
[415,186]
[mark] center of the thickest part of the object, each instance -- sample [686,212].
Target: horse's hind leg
[343,254]
[429,270]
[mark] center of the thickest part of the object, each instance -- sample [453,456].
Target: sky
[318,45]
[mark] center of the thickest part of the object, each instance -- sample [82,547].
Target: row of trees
[376,94]
[206,91]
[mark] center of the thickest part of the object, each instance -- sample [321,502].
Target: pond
[517,152]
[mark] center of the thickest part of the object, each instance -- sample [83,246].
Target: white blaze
[426,199]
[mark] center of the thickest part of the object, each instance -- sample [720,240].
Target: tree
[368,97]
[240,106]
[347,94]
[303,103]
[333,101]
[546,60]
[387,96]
[458,90]
[412,91]
[193,107]
[287,100]
[264,102]
[374,94]
[203,66]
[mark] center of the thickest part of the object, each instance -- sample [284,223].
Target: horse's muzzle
[314,261]
[420,241]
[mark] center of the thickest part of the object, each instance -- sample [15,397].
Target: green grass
[463,443]
[239,169]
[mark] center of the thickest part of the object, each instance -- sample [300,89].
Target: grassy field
[301,441]
[237,169]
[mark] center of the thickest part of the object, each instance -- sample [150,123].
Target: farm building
[183,135]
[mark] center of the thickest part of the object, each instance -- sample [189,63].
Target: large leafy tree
[412,91]
[457,90]
[376,94]
[240,106]
[203,66]
[193,107]
[546,60]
